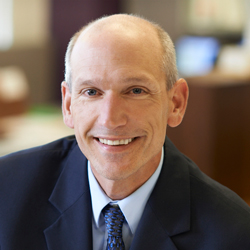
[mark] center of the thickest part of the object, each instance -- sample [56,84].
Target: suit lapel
[150,234]
[167,212]
[71,198]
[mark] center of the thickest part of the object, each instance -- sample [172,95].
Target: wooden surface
[12,108]
[215,132]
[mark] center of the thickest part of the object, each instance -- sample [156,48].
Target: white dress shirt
[131,206]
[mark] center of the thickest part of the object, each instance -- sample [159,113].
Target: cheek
[83,116]
[157,116]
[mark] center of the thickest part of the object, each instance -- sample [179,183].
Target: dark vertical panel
[68,16]
[215,130]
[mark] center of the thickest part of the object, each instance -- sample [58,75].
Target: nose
[112,113]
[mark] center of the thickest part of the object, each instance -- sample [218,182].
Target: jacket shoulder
[35,163]
[218,215]
[27,179]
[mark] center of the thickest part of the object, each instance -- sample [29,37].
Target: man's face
[118,105]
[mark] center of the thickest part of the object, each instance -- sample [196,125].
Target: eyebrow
[137,79]
[84,82]
[147,81]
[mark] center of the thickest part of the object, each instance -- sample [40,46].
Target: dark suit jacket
[45,203]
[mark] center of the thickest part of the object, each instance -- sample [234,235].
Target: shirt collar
[139,198]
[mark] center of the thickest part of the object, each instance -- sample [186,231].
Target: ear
[178,95]
[66,105]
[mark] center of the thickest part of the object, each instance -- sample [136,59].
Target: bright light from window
[6,24]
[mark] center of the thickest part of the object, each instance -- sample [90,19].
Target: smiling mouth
[116,142]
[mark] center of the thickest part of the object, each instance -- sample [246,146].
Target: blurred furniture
[215,132]
[38,65]
[14,91]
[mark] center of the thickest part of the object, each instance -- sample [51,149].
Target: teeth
[116,142]
[110,142]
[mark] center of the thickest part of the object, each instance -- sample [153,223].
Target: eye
[91,92]
[137,91]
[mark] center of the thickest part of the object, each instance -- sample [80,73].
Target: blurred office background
[212,40]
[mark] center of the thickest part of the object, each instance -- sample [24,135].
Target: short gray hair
[168,55]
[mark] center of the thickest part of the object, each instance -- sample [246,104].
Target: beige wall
[168,13]
[207,17]
[31,23]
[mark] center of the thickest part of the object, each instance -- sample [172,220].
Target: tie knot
[114,219]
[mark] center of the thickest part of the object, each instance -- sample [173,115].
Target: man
[120,93]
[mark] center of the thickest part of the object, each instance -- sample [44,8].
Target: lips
[115,142]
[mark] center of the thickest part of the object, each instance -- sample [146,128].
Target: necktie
[114,219]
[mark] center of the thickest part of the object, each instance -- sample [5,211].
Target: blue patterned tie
[114,219]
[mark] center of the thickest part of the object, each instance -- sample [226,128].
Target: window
[6,24]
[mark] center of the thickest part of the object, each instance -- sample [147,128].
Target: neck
[120,189]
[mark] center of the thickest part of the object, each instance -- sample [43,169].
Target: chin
[115,171]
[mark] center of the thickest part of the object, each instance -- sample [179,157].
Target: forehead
[122,24]
[128,43]
[120,32]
